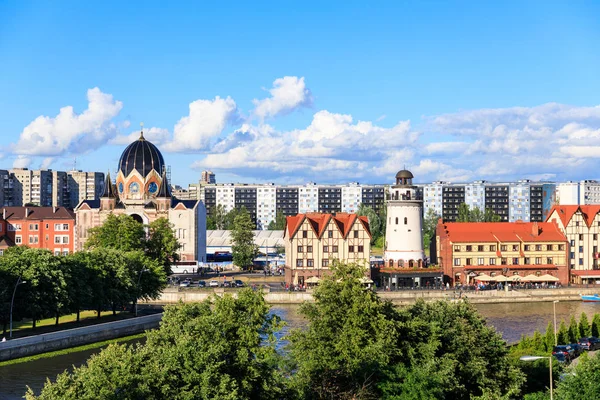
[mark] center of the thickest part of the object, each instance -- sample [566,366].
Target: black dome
[142,156]
[404,174]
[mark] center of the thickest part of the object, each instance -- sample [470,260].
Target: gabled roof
[5,241]
[320,221]
[36,213]
[465,232]
[565,213]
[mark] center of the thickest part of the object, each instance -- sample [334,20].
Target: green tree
[491,216]
[375,223]
[583,383]
[476,215]
[563,334]
[573,330]
[464,213]
[217,218]
[596,325]
[231,215]
[223,348]
[429,225]
[278,224]
[549,339]
[585,329]
[243,248]
[79,281]
[117,232]
[162,245]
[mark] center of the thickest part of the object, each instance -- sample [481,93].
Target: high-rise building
[84,186]
[578,193]
[207,178]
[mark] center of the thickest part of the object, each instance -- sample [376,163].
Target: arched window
[401,263]
[391,263]
[396,220]
[405,220]
[411,263]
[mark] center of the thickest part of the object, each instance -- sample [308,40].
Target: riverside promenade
[173,295]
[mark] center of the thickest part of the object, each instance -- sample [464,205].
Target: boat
[590,297]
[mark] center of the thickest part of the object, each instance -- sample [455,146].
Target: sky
[295,92]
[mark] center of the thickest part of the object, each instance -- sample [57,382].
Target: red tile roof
[465,232]
[320,221]
[565,213]
[36,213]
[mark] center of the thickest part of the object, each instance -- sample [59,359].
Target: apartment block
[266,203]
[351,197]
[578,193]
[83,186]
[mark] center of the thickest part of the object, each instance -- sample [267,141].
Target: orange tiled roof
[465,232]
[319,222]
[566,213]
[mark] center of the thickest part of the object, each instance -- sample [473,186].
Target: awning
[548,278]
[530,278]
[313,279]
[500,278]
[295,281]
[483,277]
[515,278]
[365,280]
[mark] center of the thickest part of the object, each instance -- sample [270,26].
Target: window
[33,239]
[391,263]
[351,249]
[493,248]
[14,227]
[503,247]
[361,249]
[396,220]
[304,234]
[561,247]
[580,236]
[57,252]
[577,223]
[58,239]
[526,260]
[527,247]
[581,249]
[492,261]
[334,249]
[65,252]
[480,261]
[538,247]
[469,248]
[581,261]
[300,250]
[325,249]
[330,234]
[299,262]
[572,242]
[515,260]
[61,227]
[456,262]
[405,221]
[503,261]
[515,247]
[549,260]
[572,255]
[33,227]
[479,248]
[355,234]
[456,248]
[325,263]
[595,236]
[18,239]
[310,262]
[468,261]
[549,247]
[538,260]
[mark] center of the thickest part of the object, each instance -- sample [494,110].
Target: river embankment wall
[402,297]
[31,345]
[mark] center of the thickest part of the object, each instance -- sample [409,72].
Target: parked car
[185,283]
[201,283]
[226,283]
[564,349]
[238,283]
[213,283]
[562,357]
[589,343]
[577,349]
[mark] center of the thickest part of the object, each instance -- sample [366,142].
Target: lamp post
[534,358]
[12,301]
[555,337]
[138,289]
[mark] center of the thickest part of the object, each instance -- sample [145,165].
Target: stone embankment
[174,295]
[28,346]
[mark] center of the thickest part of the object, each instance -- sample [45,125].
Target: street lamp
[534,358]
[19,282]
[555,337]
[138,289]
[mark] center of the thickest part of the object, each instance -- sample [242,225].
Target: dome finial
[142,131]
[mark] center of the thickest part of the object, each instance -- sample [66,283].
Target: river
[510,319]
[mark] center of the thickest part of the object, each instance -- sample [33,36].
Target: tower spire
[164,191]
[142,131]
[108,188]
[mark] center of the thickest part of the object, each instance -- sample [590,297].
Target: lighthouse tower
[403,233]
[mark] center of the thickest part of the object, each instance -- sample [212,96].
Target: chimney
[535,230]
[26,212]
[54,209]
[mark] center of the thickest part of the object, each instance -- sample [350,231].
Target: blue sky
[333,92]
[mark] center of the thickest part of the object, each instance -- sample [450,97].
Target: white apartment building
[475,195]
[432,196]
[519,205]
[308,198]
[578,193]
[226,196]
[266,206]
[351,197]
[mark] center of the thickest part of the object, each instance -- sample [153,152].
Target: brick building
[466,249]
[314,240]
[51,228]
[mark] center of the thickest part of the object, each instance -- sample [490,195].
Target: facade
[314,240]
[581,226]
[84,185]
[51,228]
[266,202]
[142,190]
[578,193]
[466,249]
[207,178]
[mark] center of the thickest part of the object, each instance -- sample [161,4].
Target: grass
[72,350]
[376,251]
[65,319]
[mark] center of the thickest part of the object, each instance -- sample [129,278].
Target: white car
[184,284]
[214,284]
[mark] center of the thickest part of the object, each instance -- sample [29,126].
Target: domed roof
[141,156]
[404,174]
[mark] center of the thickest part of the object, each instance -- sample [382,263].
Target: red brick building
[465,250]
[49,228]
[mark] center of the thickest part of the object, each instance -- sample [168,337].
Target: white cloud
[69,132]
[22,162]
[288,93]
[46,162]
[155,135]
[205,121]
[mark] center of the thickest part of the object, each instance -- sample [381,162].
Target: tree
[596,325]
[223,348]
[429,226]
[242,240]
[278,224]
[582,383]
[217,218]
[549,338]
[162,245]
[232,214]
[491,216]
[464,213]
[375,224]
[573,330]
[117,232]
[563,334]
[585,329]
